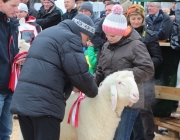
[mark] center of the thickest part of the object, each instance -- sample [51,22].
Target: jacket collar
[130,35]
[72,11]
[3,17]
[30,19]
[43,11]
[51,8]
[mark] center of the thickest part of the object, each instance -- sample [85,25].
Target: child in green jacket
[91,56]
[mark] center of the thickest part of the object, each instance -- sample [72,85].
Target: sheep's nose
[135,95]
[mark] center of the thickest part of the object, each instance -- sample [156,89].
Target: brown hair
[111,3]
[5,1]
[135,13]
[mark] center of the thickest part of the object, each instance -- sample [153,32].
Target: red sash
[15,70]
[74,111]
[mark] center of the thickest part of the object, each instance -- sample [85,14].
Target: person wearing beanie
[135,15]
[28,28]
[54,65]
[135,9]
[49,14]
[71,9]
[124,50]
[31,10]
[87,9]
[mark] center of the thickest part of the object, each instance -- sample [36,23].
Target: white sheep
[97,120]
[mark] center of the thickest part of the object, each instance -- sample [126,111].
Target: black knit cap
[85,24]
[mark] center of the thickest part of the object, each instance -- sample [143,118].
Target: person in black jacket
[54,64]
[8,50]
[158,21]
[135,15]
[49,14]
[71,10]
[99,37]
[87,9]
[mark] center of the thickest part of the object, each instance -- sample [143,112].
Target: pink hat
[115,22]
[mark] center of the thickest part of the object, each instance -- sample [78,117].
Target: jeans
[125,127]
[5,116]
[138,129]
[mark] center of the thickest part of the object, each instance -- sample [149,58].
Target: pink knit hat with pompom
[115,22]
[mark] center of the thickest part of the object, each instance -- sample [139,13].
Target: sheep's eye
[119,83]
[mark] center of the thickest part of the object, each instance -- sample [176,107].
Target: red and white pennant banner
[15,70]
[74,111]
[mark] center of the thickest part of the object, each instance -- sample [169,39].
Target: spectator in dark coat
[8,50]
[31,10]
[99,37]
[54,64]
[87,9]
[103,13]
[172,10]
[135,15]
[71,10]
[159,21]
[49,14]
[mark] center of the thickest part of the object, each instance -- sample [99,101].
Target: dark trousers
[41,128]
[148,123]
[138,129]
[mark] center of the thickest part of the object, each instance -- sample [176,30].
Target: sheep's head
[123,88]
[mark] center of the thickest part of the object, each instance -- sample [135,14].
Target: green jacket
[91,58]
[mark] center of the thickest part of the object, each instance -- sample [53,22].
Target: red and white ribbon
[15,70]
[74,111]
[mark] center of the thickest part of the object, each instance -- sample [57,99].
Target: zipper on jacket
[9,47]
[114,48]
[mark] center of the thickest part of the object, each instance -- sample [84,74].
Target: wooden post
[173,134]
[169,93]
[156,129]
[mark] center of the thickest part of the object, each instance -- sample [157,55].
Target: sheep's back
[68,132]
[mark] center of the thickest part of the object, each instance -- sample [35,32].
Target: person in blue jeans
[8,49]
[124,50]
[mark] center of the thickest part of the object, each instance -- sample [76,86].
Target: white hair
[157,4]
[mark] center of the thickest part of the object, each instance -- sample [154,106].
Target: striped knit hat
[115,22]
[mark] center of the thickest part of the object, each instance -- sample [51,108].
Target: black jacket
[99,37]
[55,62]
[150,39]
[162,25]
[31,10]
[8,49]
[70,15]
[50,18]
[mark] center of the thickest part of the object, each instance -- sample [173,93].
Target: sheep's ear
[113,96]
